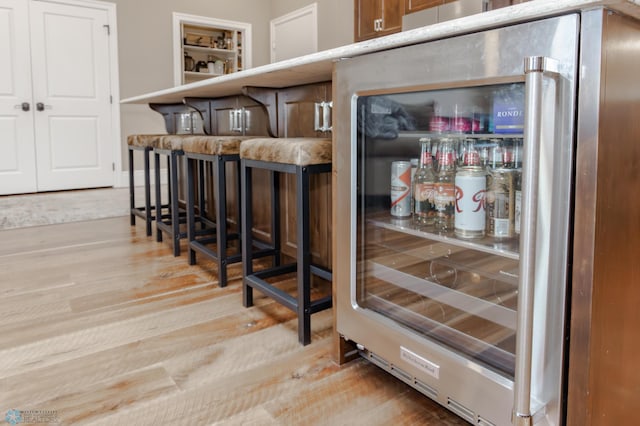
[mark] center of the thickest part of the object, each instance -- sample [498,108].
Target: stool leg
[247,238]
[202,199]
[220,194]
[175,211]
[147,192]
[158,189]
[191,226]
[303,255]
[132,195]
[275,216]
[239,209]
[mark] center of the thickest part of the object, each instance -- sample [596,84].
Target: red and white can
[470,214]
[401,188]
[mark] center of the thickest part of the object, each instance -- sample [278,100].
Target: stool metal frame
[146,212]
[302,304]
[211,232]
[169,222]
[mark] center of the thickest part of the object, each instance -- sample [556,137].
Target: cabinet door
[223,122]
[17,162]
[392,12]
[411,6]
[375,18]
[366,13]
[297,110]
[254,118]
[296,107]
[234,116]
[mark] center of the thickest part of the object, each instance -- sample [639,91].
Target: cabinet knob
[41,107]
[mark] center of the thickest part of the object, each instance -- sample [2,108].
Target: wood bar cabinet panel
[296,118]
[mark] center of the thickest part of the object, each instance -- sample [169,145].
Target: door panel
[82,142]
[17,162]
[70,48]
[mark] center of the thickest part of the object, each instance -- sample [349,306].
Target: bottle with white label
[471,186]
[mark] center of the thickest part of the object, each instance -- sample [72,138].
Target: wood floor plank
[101,398]
[234,394]
[105,326]
[92,339]
[65,377]
[233,356]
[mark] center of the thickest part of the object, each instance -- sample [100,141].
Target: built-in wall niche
[205,47]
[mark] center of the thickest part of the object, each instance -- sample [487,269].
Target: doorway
[59,112]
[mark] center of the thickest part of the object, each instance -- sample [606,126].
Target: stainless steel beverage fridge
[454,225]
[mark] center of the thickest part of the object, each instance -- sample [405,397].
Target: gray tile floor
[17,211]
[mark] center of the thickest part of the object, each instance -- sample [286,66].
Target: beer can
[470,217]
[401,188]
[500,203]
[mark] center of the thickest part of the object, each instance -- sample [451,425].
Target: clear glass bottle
[444,186]
[423,187]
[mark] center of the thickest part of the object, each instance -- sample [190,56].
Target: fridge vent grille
[425,389]
[402,375]
[484,422]
[461,410]
[381,362]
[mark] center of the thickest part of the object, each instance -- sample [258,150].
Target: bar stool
[145,144]
[302,157]
[216,152]
[169,219]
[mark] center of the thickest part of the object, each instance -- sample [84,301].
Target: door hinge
[110,99]
[113,167]
[108,29]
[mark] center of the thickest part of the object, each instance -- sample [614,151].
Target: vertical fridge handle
[534,68]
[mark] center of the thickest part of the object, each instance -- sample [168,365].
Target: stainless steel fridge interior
[474,321]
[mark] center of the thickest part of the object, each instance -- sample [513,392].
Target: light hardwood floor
[102,325]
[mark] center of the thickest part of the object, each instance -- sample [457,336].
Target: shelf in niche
[200,75]
[209,50]
[509,248]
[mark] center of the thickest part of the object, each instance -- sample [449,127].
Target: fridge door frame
[490,56]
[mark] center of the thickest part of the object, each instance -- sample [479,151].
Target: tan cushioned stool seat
[298,151]
[212,145]
[171,142]
[151,141]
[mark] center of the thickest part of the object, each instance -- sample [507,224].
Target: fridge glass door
[440,254]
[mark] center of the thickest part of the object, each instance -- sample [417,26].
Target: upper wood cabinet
[411,6]
[375,18]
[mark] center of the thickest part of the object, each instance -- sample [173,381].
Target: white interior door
[295,34]
[71,82]
[17,151]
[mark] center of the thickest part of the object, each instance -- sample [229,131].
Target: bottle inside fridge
[453,278]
